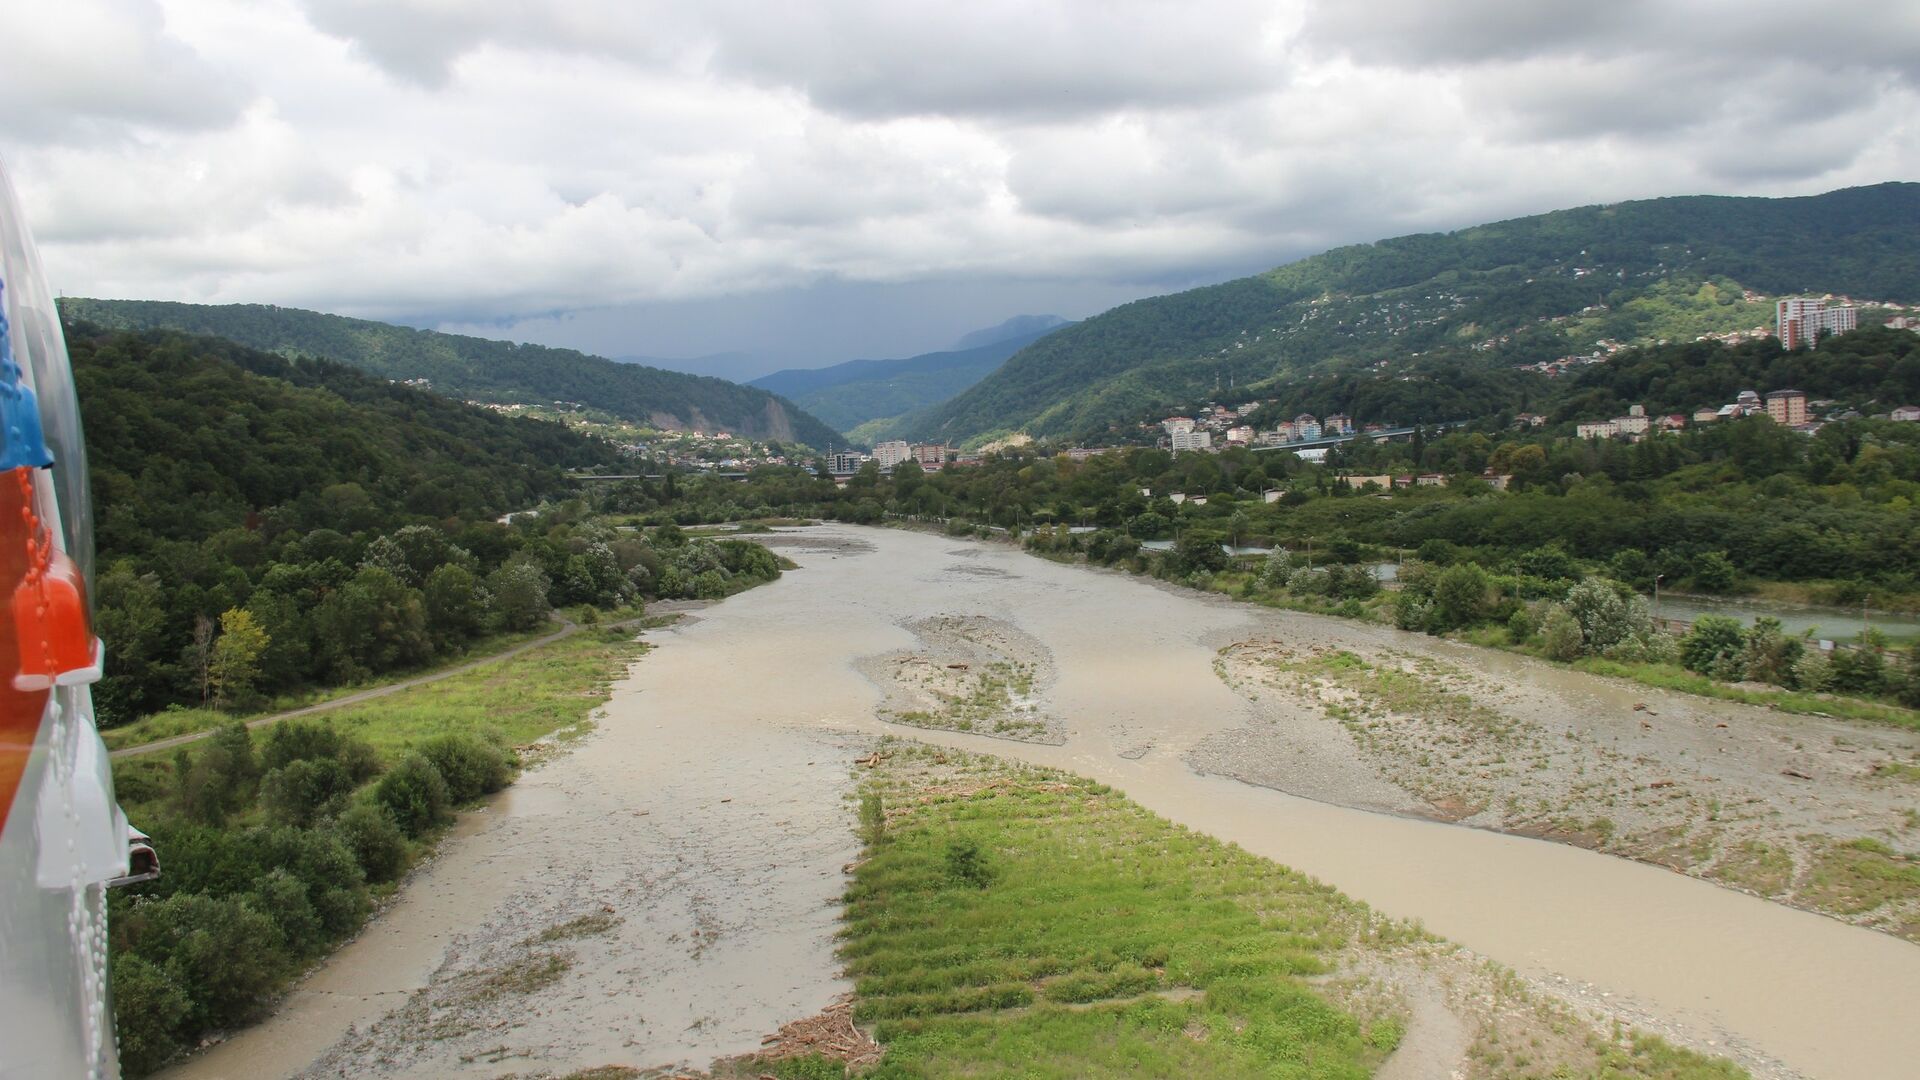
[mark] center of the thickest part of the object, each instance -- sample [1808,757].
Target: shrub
[415,793]
[300,791]
[1193,554]
[1560,635]
[283,898]
[1459,597]
[967,864]
[1645,647]
[1275,569]
[1550,562]
[873,818]
[220,780]
[471,766]
[1812,671]
[1523,624]
[149,1010]
[223,956]
[377,844]
[1606,618]
[1714,573]
[315,740]
[1411,611]
[1908,692]
[322,862]
[748,559]
[710,585]
[1713,646]
[1768,654]
[1859,671]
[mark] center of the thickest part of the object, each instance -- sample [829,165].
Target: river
[736,728]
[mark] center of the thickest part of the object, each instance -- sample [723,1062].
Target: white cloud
[91,69]
[441,159]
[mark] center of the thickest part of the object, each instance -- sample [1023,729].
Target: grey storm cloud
[488,164]
[866,58]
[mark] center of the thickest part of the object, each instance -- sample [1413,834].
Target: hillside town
[1799,321]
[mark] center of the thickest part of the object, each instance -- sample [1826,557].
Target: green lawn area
[516,701]
[172,722]
[1016,922]
[1013,921]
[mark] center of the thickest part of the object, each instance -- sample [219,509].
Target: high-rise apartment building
[1804,320]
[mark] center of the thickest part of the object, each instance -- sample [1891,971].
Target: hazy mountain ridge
[860,392]
[478,369]
[1500,294]
[1020,326]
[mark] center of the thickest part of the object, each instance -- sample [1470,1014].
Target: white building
[1596,429]
[1241,434]
[1177,425]
[1906,413]
[1306,427]
[1804,320]
[889,454]
[1192,440]
[845,462]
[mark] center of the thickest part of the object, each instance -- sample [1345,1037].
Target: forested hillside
[1489,297]
[861,392]
[479,369]
[347,520]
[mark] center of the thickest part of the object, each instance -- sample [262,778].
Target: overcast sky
[815,181]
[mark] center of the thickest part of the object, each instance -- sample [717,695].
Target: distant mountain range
[479,369]
[732,366]
[1020,326]
[862,397]
[1488,298]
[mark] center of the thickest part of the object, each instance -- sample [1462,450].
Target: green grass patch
[1086,937]
[1861,876]
[172,722]
[519,700]
[1387,690]
[1673,677]
[1757,866]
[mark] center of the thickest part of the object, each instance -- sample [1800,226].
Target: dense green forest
[266,524]
[1486,298]
[479,369]
[864,398]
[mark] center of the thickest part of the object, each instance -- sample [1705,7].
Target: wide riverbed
[730,743]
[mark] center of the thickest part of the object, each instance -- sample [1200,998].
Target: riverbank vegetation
[1010,920]
[276,843]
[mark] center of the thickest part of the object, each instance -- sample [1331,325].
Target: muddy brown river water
[707,819]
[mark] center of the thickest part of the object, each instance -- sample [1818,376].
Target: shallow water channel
[755,701]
